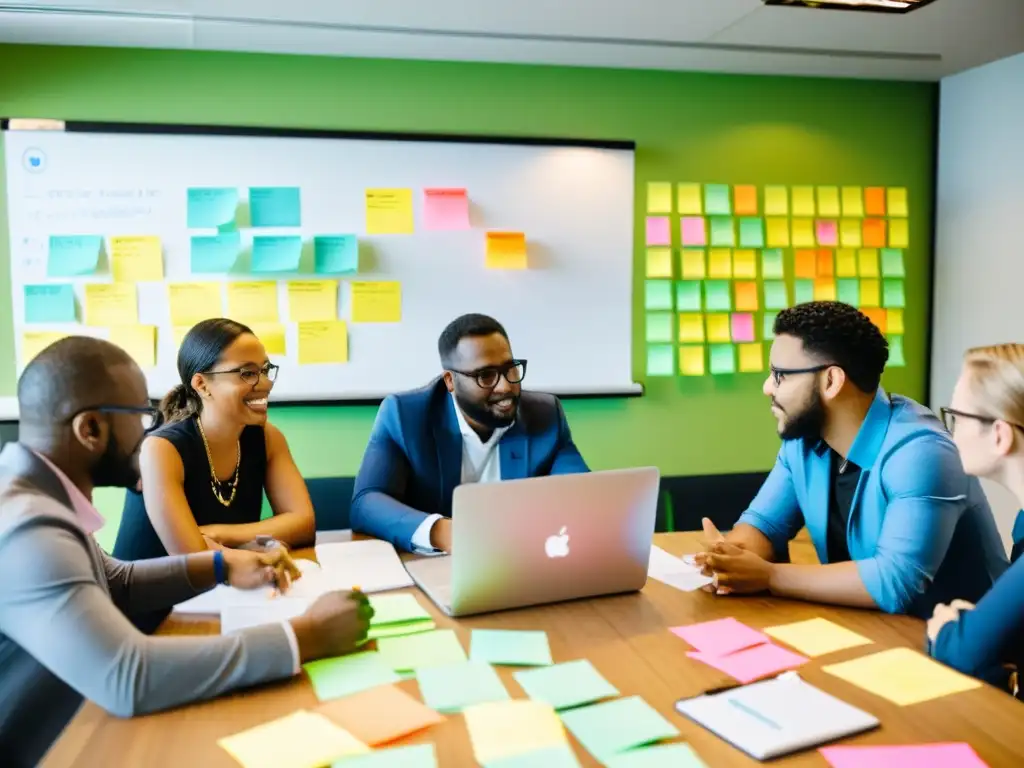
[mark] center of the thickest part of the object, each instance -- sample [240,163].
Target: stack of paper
[736,649]
[674,571]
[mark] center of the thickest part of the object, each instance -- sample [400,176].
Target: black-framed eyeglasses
[779,373]
[514,372]
[950,415]
[250,375]
[150,415]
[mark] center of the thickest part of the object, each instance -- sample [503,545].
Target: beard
[807,423]
[481,412]
[115,468]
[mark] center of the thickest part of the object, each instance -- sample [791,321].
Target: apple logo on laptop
[557,545]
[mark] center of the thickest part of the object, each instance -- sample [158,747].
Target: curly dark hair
[837,333]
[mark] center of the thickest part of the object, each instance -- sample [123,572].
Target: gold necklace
[214,482]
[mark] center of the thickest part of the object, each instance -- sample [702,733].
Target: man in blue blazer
[874,477]
[472,424]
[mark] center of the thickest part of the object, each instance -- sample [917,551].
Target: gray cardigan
[63,630]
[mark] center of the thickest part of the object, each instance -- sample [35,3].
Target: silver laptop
[543,540]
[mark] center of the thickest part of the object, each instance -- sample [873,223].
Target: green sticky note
[751,233]
[775,294]
[211,207]
[276,253]
[344,675]
[394,609]
[400,628]
[566,685]
[658,294]
[723,358]
[510,647]
[214,253]
[424,649]
[717,296]
[772,267]
[803,291]
[415,756]
[896,357]
[848,291]
[688,296]
[769,324]
[453,687]
[553,757]
[72,255]
[659,326]
[723,233]
[660,360]
[335,254]
[50,303]
[892,263]
[716,199]
[612,727]
[892,294]
[661,756]
[275,206]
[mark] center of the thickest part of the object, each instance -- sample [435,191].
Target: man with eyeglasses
[874,477]
[472,424]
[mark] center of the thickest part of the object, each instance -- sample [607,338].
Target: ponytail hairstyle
[200,350]
[995,375]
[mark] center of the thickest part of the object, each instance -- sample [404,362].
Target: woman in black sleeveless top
[205,470]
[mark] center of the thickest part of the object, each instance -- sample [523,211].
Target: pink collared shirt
[88,516]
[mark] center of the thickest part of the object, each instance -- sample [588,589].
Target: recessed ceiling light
[877,6]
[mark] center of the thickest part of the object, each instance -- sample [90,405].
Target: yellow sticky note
[505,250]
[192,302]
[111,304]
[34,342]
[503,729]
[691,360]
[846,262]
[894,321]
[389,212]
[850,233]
[825,289]
[817,637]
[139,341]
[659,197]
[896,197]
[719,329]
[720,263]
[899,233]
[253,302]
[828,202]
[744,264]
[693,264]
[312,300]
[902,676]
[868,260]
[853,202]
[691,327]
[376,302]
[869,293]
[272,336]
[751,358]
[300,740]
[690,200]
[323,341]
[803,233]
[776,201]
[136,259]
[659,262]
[778,232]
[803,201]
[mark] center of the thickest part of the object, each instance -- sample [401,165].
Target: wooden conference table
[625,637]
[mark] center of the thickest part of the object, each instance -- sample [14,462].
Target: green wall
[688,127]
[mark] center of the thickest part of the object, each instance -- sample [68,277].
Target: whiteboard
[569,313]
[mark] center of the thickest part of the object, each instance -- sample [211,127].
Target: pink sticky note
[951,755]
[445,209]
[828,232]
[693,231]
[658,232]
[752,663]
[743,327]
[720,637]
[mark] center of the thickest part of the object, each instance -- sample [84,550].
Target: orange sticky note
[849,233]
[874,233]
[846,262]
[825,263]
[877,316]
[720,263]
[505,250]
[803,201]
[745,200]
[805,265]
[803,233]
[379,715]
[744,264]
[899,233]
[824,289]
[691,360]
[869,293]
[718,328]
[874,201]
[691,327]
[778,232]
[896,199]
[746,296]
[868,259]
[894,321]
[751,358]
[693,264]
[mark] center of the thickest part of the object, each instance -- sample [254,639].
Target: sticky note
[828,202]
[379,714]
[275,206]
[723,231]
[827,232]
[396,609]
[507,250]
[848,291]
[719,327]
[299,740]
[896,355]
[874,233]
[772,267]
[376,302]
[846,262]
[659,262]
[658,294]
[276,253]
[510,647]
[867,260]
[111,304]
[502,729]
[768,329]
[853,202]
[659,197]
[192,302]
[253,302]
[612,727]
[139,341]
[454,686]
[312,300]
[877,316]
[691,327]
[415,756]
[570,684]
[824,263]
[778,233]
[803,201]
[776,201]
[661,756]
[659,326]
[892,294]
[660,361]
[335,254]
[894,320]
[892,263]
[211,207]
[34,342]
[817,637]
[803,291]
[803,233]
[716,200]
[752,663]
[72,255]
[751,232]
[850,233]
[323,341]
[744,263]
[691,360]
[775,294]
[745,200]
[942,755]
[446,209]
[899,233]
[136,259]
[688,296]
[658,231]
[874,201]
[343,675]
[50,303]
[805,264]
[722,359]
[719,637]
[271,336]
[751,357]
[896,200]
[389,212]
[689,199]
[410,627]
[425,649]
[746,296]
[720,263]
[693,264]
[552,757]
[742,326]
[214,253]
[870,295]
[902,676]
[717,296]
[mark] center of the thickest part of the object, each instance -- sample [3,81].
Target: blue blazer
[414,458]
[921,531]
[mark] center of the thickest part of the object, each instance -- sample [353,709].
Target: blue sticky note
[275,206]
[52,303]
[336,253]
[276,254]
[214,253]
[72,255]
[211,207]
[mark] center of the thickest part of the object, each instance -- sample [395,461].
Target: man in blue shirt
[874,477]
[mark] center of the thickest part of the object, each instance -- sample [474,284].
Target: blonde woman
[986,419]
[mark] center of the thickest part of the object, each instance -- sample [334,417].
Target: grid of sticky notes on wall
[723,260]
